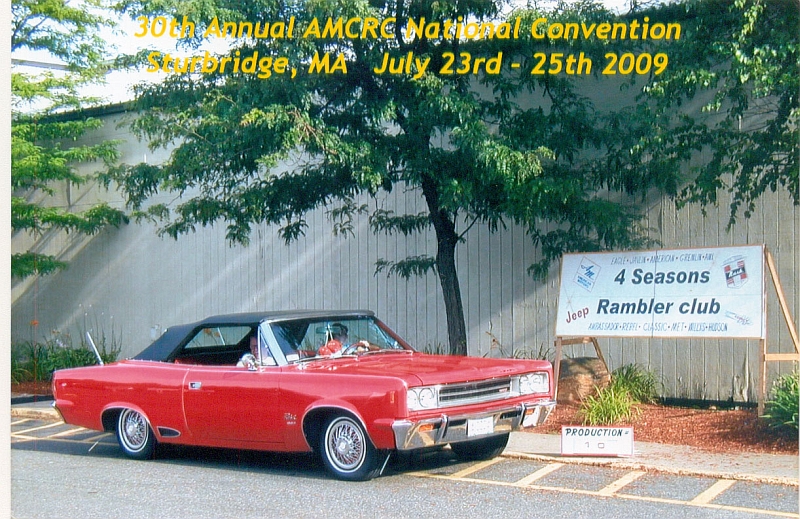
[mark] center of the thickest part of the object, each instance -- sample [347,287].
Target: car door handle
[195,385]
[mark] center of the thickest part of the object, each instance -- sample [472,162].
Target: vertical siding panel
[382,286]
[348,288]
[368,254]
[491,320]
[504,238]
[712,236]
[775,322]
[506,289]
[276,272]
[437,327]
[518,291]
[485,299]
[428,309]
[788,251]
[405,248]
[785,248]
[544,326]
[470,289]
[396,253]
[759,226]
[388,252]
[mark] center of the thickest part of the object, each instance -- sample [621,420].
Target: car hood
[423,369]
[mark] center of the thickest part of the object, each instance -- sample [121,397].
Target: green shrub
[643,386]
[20,371]
[26,362]
[609,406]
[782,408]
[36,361]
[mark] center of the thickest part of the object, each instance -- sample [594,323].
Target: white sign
[596,441]
[711,292]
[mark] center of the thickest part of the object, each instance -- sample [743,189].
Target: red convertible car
[338,383]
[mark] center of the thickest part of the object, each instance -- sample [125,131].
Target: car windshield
[324,338]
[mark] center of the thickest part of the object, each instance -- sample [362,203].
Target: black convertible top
[176,336]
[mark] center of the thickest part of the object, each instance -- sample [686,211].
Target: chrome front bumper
[446,429]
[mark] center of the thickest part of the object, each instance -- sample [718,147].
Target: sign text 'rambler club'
[714,292]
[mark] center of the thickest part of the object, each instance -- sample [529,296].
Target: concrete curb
[31,413]
[18,399]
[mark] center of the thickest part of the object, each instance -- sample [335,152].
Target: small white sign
[596,441]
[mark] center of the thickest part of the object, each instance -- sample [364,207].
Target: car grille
[474,392]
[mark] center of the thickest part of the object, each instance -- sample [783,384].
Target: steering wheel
[357,347]
[249,361]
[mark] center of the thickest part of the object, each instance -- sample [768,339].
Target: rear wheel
[483,449]
[134,435]
[347,451]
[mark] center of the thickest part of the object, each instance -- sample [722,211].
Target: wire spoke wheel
[134,434]
[345,445]
[347,451]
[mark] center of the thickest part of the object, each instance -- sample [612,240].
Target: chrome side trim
[57,410]
[168,432]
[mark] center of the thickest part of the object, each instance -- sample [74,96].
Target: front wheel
[134,435]
[347,451]
[483,449]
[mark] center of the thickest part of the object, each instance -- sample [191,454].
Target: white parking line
[21,438]
[701,501]
[67,433]
[475,468]
[97,438]
[713,491]
[627,479]
[54,424]
[539,474]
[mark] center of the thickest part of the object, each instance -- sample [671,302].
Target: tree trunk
[451,291]
[446,241]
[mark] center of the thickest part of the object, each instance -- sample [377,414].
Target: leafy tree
[741,61]
[42,154]
[480,148]
[475,159]
[473,154]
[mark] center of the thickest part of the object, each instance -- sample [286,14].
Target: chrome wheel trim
[345,444]
[133,430]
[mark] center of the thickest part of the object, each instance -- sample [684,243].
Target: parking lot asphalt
[672,459]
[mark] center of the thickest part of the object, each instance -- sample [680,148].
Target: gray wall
[133,284]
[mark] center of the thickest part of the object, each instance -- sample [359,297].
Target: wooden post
[764,356]
[557,368]
[599,353]
[762,383]
[776,282]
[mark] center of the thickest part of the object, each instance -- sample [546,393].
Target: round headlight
[539,383]
[525,384]
[413,399]
[427,399]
